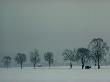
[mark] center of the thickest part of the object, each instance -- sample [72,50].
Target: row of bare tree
[20,58]
[95,52]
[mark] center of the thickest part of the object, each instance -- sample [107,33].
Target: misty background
[50,25]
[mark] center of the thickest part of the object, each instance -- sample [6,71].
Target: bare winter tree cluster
[20,58]
[95,52]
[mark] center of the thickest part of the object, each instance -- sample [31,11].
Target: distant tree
[20,59]
[69,56]
[99,49]
[6,61]
[49,58]
[83,55]
[34,57]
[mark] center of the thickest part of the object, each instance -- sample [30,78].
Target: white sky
[52,25]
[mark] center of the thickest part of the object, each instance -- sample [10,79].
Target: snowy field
[55,74]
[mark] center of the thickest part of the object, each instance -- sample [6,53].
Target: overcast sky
[50,25]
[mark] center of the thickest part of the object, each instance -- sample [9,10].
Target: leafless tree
[34,57]
[48,56]
[6,60]
[99,49]
[69,56]
[20,59]
[83,55]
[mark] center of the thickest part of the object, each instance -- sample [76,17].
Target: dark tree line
[80,54]
[20,58]
[95,52]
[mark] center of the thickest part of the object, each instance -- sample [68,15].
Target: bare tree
[20,59]
[6,61]
[69,56]
[83,55]
[99,49]
[49,58]
[34,57]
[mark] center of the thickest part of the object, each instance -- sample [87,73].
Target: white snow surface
[55,74]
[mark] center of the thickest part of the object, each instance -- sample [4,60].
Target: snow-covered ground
[54,74]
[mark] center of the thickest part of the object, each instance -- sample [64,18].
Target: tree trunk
[21,65]
[34,66]
[82,63]
[49,64]
[95,63]
[70,65]
[98,64]
[98,60]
